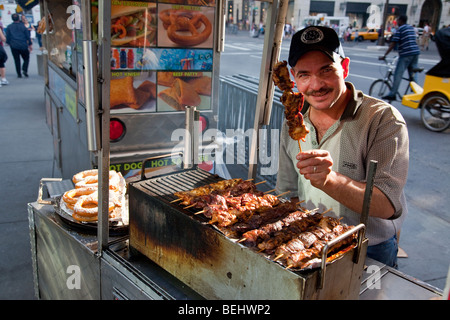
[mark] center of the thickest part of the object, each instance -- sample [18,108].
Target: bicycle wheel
[379,88]
[435,112]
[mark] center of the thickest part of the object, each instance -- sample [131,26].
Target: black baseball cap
[312,38]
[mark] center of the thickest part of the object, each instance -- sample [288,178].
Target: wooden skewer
[289,266]
[269,191]
[326,211]
[176,200]
[300,202]
[199,212]
[282,194]
[264,181]
[242,240]
[190,206]
[249,179]
[299,146]
[277,257]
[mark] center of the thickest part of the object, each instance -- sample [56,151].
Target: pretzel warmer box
[217,267]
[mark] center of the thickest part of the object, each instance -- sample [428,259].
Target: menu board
[161,55]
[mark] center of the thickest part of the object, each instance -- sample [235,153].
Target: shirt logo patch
[349,165]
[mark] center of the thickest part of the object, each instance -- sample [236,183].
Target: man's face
[321,80]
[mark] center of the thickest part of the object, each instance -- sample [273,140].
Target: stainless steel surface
[103,82]
[61,254]
[215,266]
[65,265]
[41,189]
[67,131]
[191,136]
[381,282]
[91,90]
[221,25]
[86,19]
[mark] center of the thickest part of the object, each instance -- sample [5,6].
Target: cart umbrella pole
[271,52]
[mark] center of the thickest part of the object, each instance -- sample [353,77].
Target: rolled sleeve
[287,178]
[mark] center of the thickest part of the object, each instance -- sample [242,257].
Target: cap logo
[312,35]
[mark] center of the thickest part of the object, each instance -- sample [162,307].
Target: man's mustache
[320,92]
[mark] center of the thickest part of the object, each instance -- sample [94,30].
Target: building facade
[361,13]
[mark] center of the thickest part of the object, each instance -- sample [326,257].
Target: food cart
[161,251]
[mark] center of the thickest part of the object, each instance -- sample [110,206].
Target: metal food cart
[165,253]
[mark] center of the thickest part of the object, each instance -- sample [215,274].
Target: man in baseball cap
[347,129]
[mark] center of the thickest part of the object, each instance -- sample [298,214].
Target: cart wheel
[435,112]
[379,88]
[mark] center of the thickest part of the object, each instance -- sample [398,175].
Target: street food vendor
[347,129]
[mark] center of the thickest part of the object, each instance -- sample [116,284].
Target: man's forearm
[350,193]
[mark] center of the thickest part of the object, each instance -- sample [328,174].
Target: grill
[217,267]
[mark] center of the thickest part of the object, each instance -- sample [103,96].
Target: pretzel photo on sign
[185,27]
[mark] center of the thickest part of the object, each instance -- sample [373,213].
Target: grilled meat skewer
[265,232]
[302,258]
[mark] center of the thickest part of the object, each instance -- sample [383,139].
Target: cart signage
[161,56]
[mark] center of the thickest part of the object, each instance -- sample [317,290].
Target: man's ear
[346,66]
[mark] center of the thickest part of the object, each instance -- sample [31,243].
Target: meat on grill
[231,187]
[302,258]
[306,239]
[266,231]
[282,229]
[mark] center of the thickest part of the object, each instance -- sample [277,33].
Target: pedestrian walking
[18,38]
[3,58]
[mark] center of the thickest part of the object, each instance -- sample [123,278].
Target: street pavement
[26,148]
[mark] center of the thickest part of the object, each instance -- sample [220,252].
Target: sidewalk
[26,157]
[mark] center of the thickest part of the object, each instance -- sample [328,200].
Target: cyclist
[408,52]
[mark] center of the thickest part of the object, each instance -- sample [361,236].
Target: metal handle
[190,156]
[360,227]
[91,93]
[368,192]
[155,158]
[41,188]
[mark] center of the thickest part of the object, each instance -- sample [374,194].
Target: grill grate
[166,186]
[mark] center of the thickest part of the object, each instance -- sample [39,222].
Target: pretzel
[71,197]
[188,21]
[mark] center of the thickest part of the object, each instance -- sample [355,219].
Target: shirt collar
[354,103]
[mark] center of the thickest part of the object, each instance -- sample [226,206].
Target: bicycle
[381,87]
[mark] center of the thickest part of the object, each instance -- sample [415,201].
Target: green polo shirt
[369,129]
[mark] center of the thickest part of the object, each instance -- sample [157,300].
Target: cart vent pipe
[91,90]
[190,155]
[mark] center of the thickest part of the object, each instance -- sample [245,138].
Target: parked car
[367,34]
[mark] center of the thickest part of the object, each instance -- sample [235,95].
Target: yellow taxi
[366,34]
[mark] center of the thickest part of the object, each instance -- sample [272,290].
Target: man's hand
[316,166]
[382,58]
